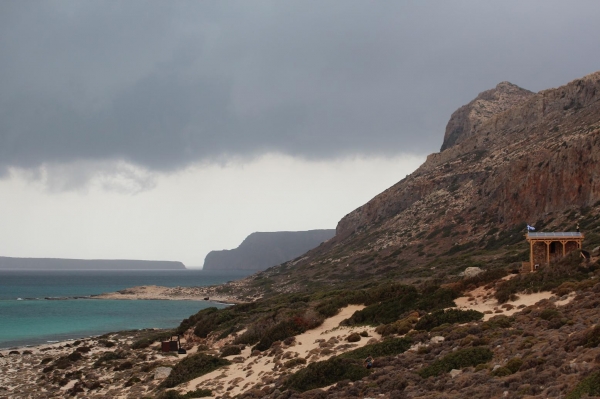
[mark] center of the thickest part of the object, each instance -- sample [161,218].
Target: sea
[38,307]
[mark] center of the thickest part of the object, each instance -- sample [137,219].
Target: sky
[164,130]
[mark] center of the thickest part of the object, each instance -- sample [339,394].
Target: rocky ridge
[537,162]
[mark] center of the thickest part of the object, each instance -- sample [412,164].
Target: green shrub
[589,386]
[457,360]
[230,350]
[440,317]
[107,357]
[279,332]
[294,362]
[198,393]
[328,372]
[388,347]
[546,278]
[192,367]
[501,372]
[148,339]
[500,321]
[514,364]
[354,337]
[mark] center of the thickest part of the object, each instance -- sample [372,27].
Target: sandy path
[263,369]
[482,300]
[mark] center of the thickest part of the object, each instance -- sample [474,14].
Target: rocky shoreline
[154,292]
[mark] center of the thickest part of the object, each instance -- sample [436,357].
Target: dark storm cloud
[164,84]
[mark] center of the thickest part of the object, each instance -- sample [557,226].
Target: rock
[472,271]
[455,372]
[160,373]
[496,367]
[14,353]
[437,340]
[596,251]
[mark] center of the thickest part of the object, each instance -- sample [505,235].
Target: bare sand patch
[257,371]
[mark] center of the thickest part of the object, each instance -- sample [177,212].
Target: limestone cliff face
[536,157]
[529,158]
[466,120]
[261,250]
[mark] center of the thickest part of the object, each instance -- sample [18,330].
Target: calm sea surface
[28,318]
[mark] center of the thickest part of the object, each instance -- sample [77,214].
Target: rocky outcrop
[262,250]
[466,120]
[532,158]
[538,157]
[86,264]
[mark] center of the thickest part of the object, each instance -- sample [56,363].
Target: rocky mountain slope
[262,250]
[529,158]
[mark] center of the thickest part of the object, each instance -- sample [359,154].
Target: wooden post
[564,244]
[547,251]
[531,254]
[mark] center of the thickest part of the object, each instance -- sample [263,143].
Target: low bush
[230,350]
[328,372]
[294,362]
[514,364]
[354,337]
[107,357]
[500,321]
[148,339]
[388,347]
[456,360]
[440,317]
[192,367]
[198,393]
[501,372]
[547,278]
[589,386]
[589,338]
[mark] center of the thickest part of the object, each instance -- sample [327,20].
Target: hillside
[7,263]
[388,286]
[535,159]
[265,249]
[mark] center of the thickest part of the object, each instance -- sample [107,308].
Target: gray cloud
[163,84]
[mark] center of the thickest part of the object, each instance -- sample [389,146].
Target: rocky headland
[426,278]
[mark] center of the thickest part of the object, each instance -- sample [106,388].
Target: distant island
[262,250]
[7,263]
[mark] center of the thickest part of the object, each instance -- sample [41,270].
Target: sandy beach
[154,292]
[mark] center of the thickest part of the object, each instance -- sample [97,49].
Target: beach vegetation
[324,373]
[450,316]
[192,367]
[468,357]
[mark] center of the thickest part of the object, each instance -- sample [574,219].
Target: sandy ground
[261,370]
[148,292]
[482,300]
[248,370]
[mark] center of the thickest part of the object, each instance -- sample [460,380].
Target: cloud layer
[163,85]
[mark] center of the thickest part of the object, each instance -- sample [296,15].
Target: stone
[160,373]
[596,251]
[472,271]
[455,373]
[437,340]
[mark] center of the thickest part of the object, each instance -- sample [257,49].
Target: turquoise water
[34,319]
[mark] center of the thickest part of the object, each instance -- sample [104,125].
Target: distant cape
[7,263]
[261,250]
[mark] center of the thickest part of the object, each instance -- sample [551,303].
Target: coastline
[155,292]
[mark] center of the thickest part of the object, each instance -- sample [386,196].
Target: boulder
[160,373]
[455,372]
[472,271]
